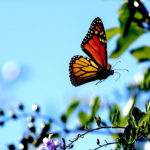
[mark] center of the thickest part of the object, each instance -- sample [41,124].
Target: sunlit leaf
[84,118]
[115,114]
[138,15]
[145,84]
[112,32]
[115,119]
[124,14]
[124,42]
[131,121]
[126,39]
[71,108]
[133,136]
[147,105]
[118,146]
[115,136]
[95,106]
[142,53]
[144,119]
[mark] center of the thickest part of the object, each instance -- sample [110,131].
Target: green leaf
[134,32]
[115,136]
[145,84]
[112,32]
[95,106]
[144,119]
[63,118]
[115,119]
[138,114]
[124,143]
[133,87]
[132,128]
[124,42]
[138,15]
[127,132]
[98,120]
[131,121]
[115,116]
[133,136]
[118,146]
[111,112]
[147,105]
[84,118]
[124,16]
[55,135]
[142,53]
[103,123]
[146,128]
[71,108]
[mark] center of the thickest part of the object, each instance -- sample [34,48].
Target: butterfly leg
[99,82]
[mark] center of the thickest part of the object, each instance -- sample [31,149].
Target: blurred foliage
[143,85]
[141,53]
[87,119]
[115,116]
[129,27]
[71,108]
[128,129]
[112,32]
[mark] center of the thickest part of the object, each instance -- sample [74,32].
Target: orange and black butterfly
[83,69]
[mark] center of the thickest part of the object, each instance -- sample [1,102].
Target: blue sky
[42,36]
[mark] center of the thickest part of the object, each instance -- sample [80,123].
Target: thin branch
[91,130]
[104,145]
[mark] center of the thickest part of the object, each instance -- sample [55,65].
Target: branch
[88,131]
[104,145]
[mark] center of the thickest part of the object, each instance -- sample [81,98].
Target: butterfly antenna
[119,75]
[123,70]
[116,64]
[119,69]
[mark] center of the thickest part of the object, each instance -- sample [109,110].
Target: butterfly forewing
[82,70]
[94,44]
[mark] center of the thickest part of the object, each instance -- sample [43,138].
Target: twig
[100,146]
[91,130]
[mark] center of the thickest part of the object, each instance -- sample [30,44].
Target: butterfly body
[103,73]
[83,69]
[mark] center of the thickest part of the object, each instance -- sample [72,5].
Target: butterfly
[83,69]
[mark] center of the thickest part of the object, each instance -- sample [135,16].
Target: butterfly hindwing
[82,70]
[94,44]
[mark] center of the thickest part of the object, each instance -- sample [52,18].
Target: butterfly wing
[94,44]
[82,70]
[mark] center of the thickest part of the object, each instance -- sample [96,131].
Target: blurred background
[37,41]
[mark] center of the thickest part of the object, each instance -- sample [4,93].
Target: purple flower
[49,144]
